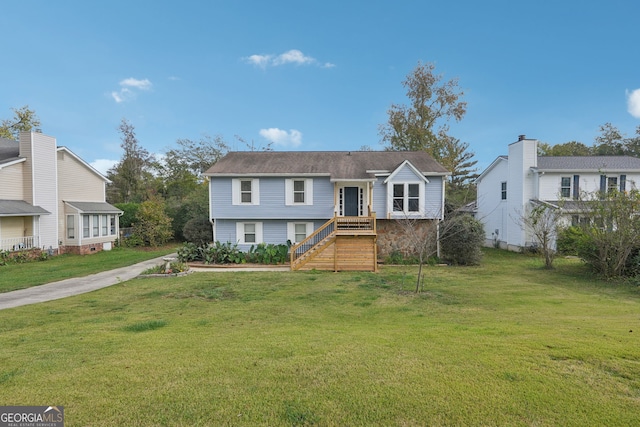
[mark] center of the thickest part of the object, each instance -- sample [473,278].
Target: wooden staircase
[340,244]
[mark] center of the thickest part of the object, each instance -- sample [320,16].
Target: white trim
[240,232]
[308,191]
[405,213]
[13,162]
[291,230]
[236,198]
[413,169]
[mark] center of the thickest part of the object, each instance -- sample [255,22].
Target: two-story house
[339,209]
[511,184]
[52,199]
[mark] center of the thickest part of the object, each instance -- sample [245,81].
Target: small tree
[152,225]
[542,221]
[611,228]
[420,239]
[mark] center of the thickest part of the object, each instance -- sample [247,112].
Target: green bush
[570,240]
[130,210]
[222,253]
[198,231]
[152,225]
[461,240]
[264,253]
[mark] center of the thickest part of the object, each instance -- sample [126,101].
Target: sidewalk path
[76,285]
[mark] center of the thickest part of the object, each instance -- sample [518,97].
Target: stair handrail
[325,230]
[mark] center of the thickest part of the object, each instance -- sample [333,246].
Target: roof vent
[522,137]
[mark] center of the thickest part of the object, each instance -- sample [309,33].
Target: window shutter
[623,183]
[576,187]
[255,191]
[235,191]
[288,192]
[603,183]
[308,189]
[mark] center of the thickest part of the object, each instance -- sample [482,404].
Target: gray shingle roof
[9,150]
[94,207]
[588,163]
[336,164]
[20,208]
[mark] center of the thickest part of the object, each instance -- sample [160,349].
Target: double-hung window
[503,190]
[245,191]
[71,229]
[565,187]
[249,232]
[96,225]
[406,197]
[86,226]
[298,231]
[299,191]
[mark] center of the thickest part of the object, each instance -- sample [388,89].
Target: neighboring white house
[508,187]
[52,199]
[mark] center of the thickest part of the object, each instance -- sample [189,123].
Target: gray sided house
[339,209]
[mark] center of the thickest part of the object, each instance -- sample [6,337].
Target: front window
[96,225]
[249,233]
[406,197]
[245,191]
[612,183]
[105,225]
[398,197]
[565,187]
[86,226]
[414,198]
[300,232]
[71,229]
[298,191]
[112,225]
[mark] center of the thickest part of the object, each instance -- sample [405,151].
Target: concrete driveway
[76,285]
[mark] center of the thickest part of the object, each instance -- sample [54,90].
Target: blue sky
[315,75]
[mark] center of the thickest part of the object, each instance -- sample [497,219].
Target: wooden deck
[341,244]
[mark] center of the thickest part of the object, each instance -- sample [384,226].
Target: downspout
[211,221]
[438,239]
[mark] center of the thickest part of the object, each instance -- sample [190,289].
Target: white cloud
[293,138]
[128,88]
[633,103]
[259,60]
[103,165]
[293,56]
[138,84]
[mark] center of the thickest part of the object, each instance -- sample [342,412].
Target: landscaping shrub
[152,225]
[228,253]
[264,253]
[222,253]
[20,257]
[570,239]
[461,240]
[198,231]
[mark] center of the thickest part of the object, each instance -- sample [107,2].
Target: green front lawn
[507,343]
[20,276]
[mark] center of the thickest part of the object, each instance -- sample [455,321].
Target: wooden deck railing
[337,225]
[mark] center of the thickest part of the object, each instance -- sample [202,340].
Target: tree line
[173,183]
